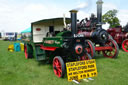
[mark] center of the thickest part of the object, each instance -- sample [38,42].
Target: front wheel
[113,53]
[86,57]
[58,67]
[90,48]
[125,45]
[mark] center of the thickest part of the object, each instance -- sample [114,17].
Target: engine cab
[47,28]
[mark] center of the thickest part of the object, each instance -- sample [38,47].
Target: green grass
[16,70]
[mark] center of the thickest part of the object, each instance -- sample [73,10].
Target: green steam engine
[50,42]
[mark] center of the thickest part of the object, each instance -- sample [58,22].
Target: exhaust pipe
[99,12]
[74,21]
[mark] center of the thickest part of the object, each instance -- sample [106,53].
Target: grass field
[16,70]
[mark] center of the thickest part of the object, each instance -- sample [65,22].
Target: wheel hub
[78,49]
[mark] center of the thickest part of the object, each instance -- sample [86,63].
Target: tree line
[111,18]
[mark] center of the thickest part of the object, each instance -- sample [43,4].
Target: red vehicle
[120,35]
[92,30]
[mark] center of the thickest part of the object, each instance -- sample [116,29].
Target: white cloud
[82,15]
[108,6]
[82,5]
[19,17]
[123,16]
[35,7]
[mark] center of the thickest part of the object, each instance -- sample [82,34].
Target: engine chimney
[73,21]
[99,12]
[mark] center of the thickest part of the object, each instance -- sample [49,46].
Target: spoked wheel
[113,53]
[86,57]
[110,37]
[28,54]
[125,45]
[58,66]
[90,48]
[25,52]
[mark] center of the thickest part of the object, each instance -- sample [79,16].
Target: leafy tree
[110,18]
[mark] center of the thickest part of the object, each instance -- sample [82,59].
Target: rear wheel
[58,66]
[90,48]
[26,51]
[113,53]
[125,45]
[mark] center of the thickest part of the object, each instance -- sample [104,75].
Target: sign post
[81,69]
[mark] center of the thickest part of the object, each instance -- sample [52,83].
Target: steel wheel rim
[90,48]
[86,57]
[25,51]
[125,45]
[110,53]
[57,67]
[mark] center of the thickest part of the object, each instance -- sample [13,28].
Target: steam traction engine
[61,47]
[120,35]
[92,29]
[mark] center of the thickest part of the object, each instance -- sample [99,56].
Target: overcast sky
[17,15]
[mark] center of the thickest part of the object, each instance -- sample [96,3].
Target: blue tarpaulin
[26,30]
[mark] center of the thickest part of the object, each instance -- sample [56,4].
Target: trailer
[11,36]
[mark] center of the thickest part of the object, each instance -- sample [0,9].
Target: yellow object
[11,48]
[22,46]
[81,69]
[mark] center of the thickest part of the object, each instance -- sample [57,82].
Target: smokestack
[99,12]
[73,21]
